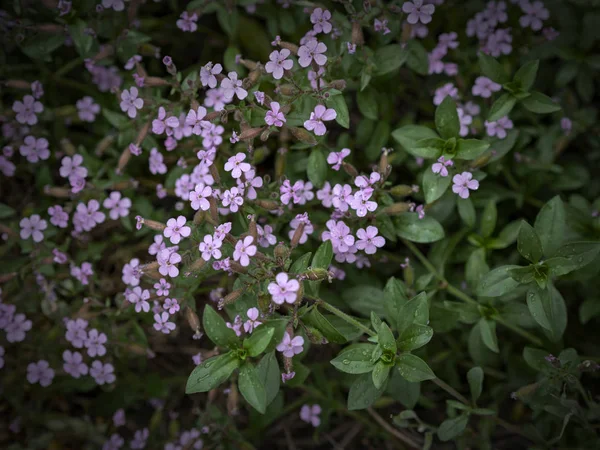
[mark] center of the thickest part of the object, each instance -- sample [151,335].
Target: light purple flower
[278,63]
[320,19]
[339,235]
[162,323]
[259,96]
[87,109]
[187,22]
[35,149]
[351,48]
[417,11]
[274,116]
[177,229]
[157,166]
[131,272]
[465,121]
[102,373]
[157,245]
[130,64]
[95,342]
[342,197]
[115,442]
[87,217]
[59,257]
[236,166]
[236,326]
[484,87]
[368,240]
[117,5]
[117,206]
[37,89]
[442,92]
[440,167]
[130,102]
[17,328]
[139,298]
[244,249]
[82,273]
[27,110]
[33,227]
[232,86]
[448,40]
[464,182]
[535,14]
[361,202]
[284,289]
[72,167]
[312,50]
[40,372]
[252,321]
[210,248]
[139,439]
[499,43]
[171,305]
[119,417]
[265,236]
[208,74]
[197,359]
[310,414]
[195,120]
[162,287]
[317,117]
[499,127]
[290,347]
[74,364]
[337,158]
[306,230]
[566,125]
[76,332]
[166,263]
[199,196]
[381,26]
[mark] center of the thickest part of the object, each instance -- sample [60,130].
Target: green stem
[454,291]
[342,315]
[68,67]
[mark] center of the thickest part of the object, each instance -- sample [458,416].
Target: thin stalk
[342,315]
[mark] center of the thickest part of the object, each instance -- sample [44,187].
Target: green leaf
[413,368]
[451,428]
[548,309]
[414,337]
[466,211]
[364,299]
[252,388]
[573,256]
[216,329]
[475,379]
[540,103]
[259,340]
[42,45]
[470,148]
[487,328]
[536,358]
[408,135]
[523,275]
[6,211]
[379,139]
[84,42]
[502,146]
[338,103]
[434,186]
[301,264]
[394,298]
[418,58]
[380,374]
[483,412]
[321,260]
[363,392]
[589,309]
[355,359]
[528,243]
[501,107]
[403,391]
[446,119]
[416,310]
[476,267]
[367,103]
[316,168]
[492,69]
[497,282]
[550,225]
[386,338]
[389,58]
[526,74]
[211,373]
[228,20]
[270,377]
[428,148]
[119,121]
[425,230]
[566,73]
[317,320]
[488,219]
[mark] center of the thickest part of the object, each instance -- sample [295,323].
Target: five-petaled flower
[278,63]
[284,289]
[33,227]
[417,11]
[290,347]
[162,323]
[177,229]
[27,110]
[232,86]
[244,249]
[40,372]
[368,240]
[463,182]
[130,102]
[320,19]
[312,50]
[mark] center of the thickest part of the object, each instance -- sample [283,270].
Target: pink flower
[362,181]
[499,127]
[130,102]
[102,373]
[337,158]
[284,290]
[139,298]
[232,86]
[17,328]
[157,245]
[368,240]
[278,63]
[290,347]
[566,125]
[76,332]
[33,227]
[199,197]
[208,74]
[361,202]
[420,210]
[87,109]
[312,50]
[74,364]
[156,164]
[187,22]
[95,343]
[233,198]
[463,182]
[326,195]
[252,321]
[132,272]
[418,12]
[162,323]
[194,120]
[117,206]
[320,20]
[381,26]
[484,87]
[82,273]
[236,166]
[210,248]
[307,229]
[265,236]
[176,229]
[535,14]
[119,417]
[351,48]
[310,414]
[441,165]
[442,92]
[465,120]
[159,125]
[259,96]
[27,109]
[35,149]
[274,116]
[243,250]
[162,287]
[317,117]
[166,263]
[72,167]
[87,217]
[171,305]
[339,235]
[40,372]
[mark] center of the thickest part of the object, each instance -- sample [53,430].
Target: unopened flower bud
[482,160]
[170,65]
[269,205]
[288,90]
[252,229]
[252,78]
[198,217]
[401,190]
[357,34]
[265,135]
[281,253]
[58,192]
[17,84]
[230,298]
[192,319]
[67,146]
[155,82]
[224,116]
[104,144]
[396,208]
[233,400]
[315,336]
[214,171]
[297,235]
[409,275]
[212,115]
[303,136]
[315,274]
[123,160]
[350,169]
[248,64]
[196,266]
[340,85]
[293,48]
[250,133]
[152,224]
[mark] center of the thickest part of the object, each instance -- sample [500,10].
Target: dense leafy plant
[377,217]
